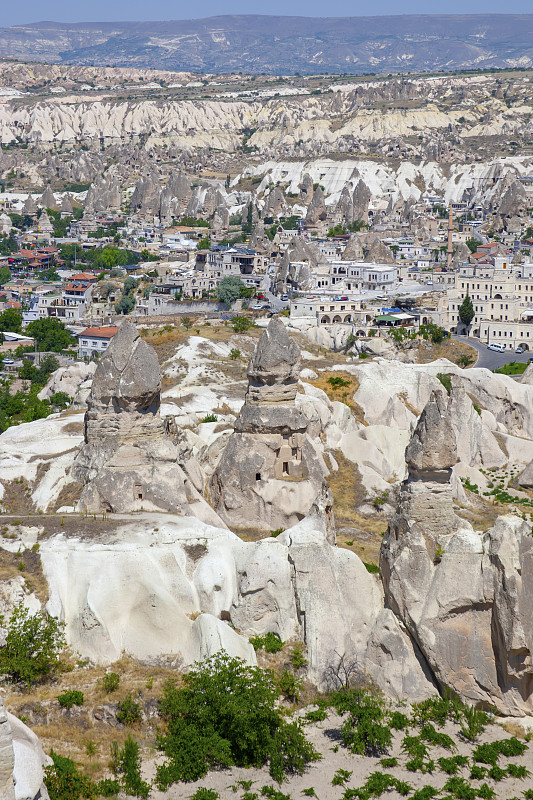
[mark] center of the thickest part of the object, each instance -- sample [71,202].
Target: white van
[499,348]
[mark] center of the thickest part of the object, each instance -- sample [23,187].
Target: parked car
[284,298]
[519,349]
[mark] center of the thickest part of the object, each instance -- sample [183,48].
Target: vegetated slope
[273,44]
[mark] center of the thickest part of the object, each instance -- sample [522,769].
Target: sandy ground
[319,775]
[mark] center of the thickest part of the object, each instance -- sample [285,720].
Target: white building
[94,341]
[352,276]
[502,297]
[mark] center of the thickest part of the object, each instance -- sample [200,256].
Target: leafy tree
[129,284]
[248,225]
[50,274]
[241,324]
[466,311]
[128,765]
[33,646]
[204,244]
[50,333]
[337,230]
[192,222]
[225,714]
[8,244]
[472,244]
[5,275]
[60,400]
[229,289]
[11,320]
[65,782]
[22,222]
[146,255]
[125,304]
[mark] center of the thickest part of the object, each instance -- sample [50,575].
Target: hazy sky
[113,10]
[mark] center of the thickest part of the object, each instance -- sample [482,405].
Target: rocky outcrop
[270,472]
[344,208]
[306,189]
[462,595]
[128,461]
[47,199]
[192,586]
[379,253]
[316,211]
[7,757]
[22,761]
[275,204]
[360,201]
[353,250]
[145,197]
[104,195]
[175,197]
[67,379]
[30,207]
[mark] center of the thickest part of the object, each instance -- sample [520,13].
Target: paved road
[274,301]
[489,358]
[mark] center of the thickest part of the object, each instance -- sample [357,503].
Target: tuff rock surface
[21,760]
[270,472]
[128,461]
[462,595]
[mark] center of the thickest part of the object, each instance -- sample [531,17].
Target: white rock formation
[462,595]
[270,471]
[67,379]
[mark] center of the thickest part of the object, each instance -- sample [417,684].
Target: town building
[502,297]
[94,341]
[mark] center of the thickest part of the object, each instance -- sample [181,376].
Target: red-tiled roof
[100,333]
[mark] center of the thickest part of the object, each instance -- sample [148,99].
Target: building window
[285,467]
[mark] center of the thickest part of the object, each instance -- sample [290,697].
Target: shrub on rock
[225,714]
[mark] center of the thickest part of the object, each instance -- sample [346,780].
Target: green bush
[398,721]
[460,788]
[297,657]
[337,382]
[71,698]
[33,646]
[366,730]
[205,794]
[107,788]
[110,682]
[318,715]
[270,642]
[128,766]
[451,765]
[129,711]
[225,714]
[340,777]
[65,782]
[438,709]
[209,418]
[429,734]
[475,721]
[290,685]
[445,380]
[241,324]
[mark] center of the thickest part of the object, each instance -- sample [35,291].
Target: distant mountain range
[274,44]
